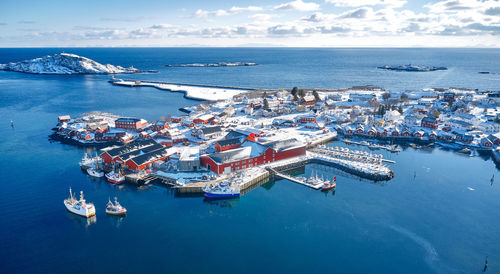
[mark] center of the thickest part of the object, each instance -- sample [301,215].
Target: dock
[293,179]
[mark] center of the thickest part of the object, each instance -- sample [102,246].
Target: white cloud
[234,10]
[298,5]
[262,16]
[359,3]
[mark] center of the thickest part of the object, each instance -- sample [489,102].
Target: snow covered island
[65,63]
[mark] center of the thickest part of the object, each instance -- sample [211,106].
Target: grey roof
[210,130]
[229,142]
[150,156]
[130,147]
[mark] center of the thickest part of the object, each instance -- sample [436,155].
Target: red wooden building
[108,156]
[252,154]
[145,160]
[429,122]
[227,144]
[130,123]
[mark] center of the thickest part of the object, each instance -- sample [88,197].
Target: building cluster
[260,127]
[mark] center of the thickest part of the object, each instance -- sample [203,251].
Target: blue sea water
[429,223]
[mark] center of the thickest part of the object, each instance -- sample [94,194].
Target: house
[106,137]
[159,125]
[495,138]
[419,134]
[392,116]
[429,122]
[130,123]
[144,161]
[108,156]
[348,130]
[489,127]
[406,133]
[306,119]
[207,133]
[203,119]
[252,154]
[487,143]
[395,132]
[175,119]
[307,100]
[63,118]
[189,159]
[227,144]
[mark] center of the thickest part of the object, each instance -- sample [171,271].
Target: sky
[265,23]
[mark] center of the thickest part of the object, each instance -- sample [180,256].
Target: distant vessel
[95,172]
[115,177]
[221,191]
[327,185]
[89,162]
[79,207]
[115,208]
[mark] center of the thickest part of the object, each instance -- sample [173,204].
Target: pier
[133,83]
[293,179]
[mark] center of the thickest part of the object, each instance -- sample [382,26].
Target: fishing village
[225,147]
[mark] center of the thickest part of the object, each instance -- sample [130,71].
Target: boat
[79,207]
[115,208]
[222,190]
[115,177]
[329,185]
[94,172]
[89,162]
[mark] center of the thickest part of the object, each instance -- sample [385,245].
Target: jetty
[298,180]
[135,83]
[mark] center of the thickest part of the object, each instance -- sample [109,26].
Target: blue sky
[297,23]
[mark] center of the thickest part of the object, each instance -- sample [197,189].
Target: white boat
[221,190]
[95,172]
[115,177]
[88,162]
[79,207]
[115,208]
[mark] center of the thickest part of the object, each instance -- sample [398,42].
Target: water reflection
[222,203]
[81,221]
[116,220]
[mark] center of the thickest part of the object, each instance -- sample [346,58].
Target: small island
[65,63]
[220,64]
[411,68]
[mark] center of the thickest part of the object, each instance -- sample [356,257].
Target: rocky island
[65,63]
[412,68]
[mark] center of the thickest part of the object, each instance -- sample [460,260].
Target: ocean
[440,213]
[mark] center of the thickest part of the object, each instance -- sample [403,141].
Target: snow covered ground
[192,92]
[65,63]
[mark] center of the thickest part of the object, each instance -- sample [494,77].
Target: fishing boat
[79,207]
[86,161]
[327,185]
[115,177]
[115,208]
[94,172]
[222,190]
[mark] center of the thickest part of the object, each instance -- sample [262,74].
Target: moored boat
[327,185]
[221,190]
[79,207]
[95,172]
[115,177]
[115,208]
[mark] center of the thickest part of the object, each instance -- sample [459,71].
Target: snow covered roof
[130,147]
